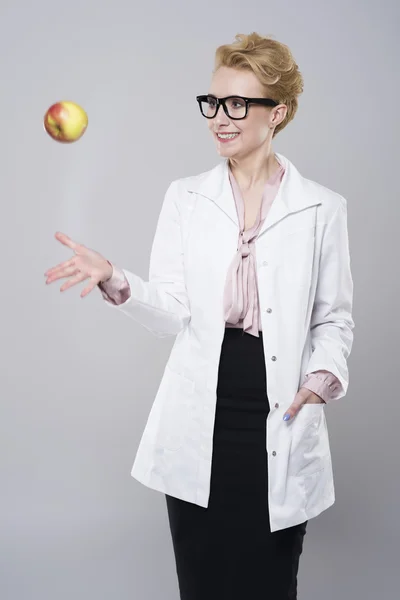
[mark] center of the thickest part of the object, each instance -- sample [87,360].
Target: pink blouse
[241,302]
[241,289]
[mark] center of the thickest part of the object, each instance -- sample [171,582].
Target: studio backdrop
[77,379]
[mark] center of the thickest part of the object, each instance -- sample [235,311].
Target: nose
[221,117]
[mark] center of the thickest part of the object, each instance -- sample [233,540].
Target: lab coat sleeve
[161,304]
[331,325]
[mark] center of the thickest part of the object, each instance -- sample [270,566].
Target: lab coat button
[269,310]
[274,453]
[276,405]
[273,357]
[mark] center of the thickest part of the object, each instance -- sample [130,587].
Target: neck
[252,172]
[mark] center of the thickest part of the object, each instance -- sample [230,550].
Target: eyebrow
[228,96]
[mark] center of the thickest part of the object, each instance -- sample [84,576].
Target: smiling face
[254,133]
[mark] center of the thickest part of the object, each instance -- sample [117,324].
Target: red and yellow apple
[65,121]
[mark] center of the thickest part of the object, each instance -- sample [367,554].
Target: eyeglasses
[235,107]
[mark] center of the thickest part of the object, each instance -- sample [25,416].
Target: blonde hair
[273,65]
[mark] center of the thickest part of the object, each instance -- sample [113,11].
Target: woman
[250,269]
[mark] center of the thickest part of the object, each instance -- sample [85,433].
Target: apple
[65,121]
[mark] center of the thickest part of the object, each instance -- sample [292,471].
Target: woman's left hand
[303,396]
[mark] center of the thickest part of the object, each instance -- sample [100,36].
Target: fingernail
[286,417]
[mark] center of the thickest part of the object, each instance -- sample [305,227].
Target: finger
[89,288]
[66,272]
[294,407]
[67,241]
[73,281]
[66,263]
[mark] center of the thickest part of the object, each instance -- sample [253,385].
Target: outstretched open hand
[85,264]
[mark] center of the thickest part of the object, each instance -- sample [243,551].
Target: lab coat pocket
[175,395]
[308,448]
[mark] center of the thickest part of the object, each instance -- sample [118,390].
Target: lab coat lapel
[215,186]
[291,197]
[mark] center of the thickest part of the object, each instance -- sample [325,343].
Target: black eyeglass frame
[222,101]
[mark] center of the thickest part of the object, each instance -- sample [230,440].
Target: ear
[278,114]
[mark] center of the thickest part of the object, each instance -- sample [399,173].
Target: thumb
[295,406]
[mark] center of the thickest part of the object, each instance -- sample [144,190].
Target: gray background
[78,379]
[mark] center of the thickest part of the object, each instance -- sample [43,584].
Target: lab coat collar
[293,194]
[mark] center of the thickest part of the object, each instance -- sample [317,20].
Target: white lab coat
[303,269]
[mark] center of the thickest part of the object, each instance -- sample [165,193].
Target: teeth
[227,136]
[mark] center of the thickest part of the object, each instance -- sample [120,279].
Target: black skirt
[227,551]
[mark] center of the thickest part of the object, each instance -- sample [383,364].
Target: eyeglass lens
[236,107]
